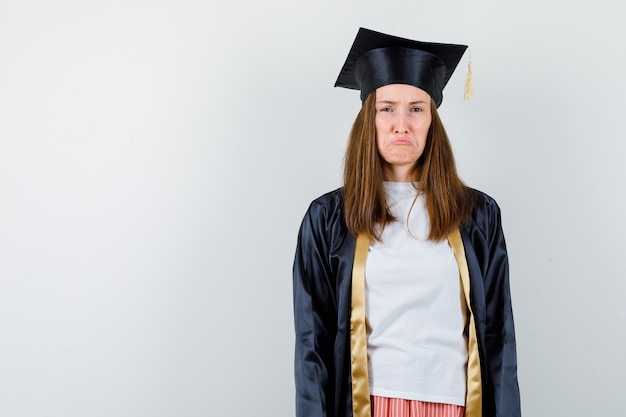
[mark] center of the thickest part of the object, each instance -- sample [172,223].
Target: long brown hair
[448,200]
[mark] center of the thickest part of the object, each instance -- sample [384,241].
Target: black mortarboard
[377,59]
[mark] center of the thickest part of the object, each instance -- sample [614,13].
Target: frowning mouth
[400,142]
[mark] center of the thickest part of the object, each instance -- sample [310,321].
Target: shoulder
[484,203]
[325,213]
[332,200]
[486,217]
[327,205]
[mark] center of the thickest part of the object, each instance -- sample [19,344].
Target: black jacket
[322,275]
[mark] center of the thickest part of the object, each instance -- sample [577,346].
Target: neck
[395,173]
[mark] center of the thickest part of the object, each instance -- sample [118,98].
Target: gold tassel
[469,87]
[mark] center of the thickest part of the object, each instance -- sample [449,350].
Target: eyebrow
[395,102]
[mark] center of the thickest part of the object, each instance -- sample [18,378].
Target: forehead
[397,92]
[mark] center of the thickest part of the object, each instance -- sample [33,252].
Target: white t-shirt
[415,309]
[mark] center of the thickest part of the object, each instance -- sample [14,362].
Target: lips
[400,142]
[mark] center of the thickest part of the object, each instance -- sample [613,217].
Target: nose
[401,123]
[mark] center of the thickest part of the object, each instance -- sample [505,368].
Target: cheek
[424,125]
[423,129]
[379,134]
[379,126]
[379,144]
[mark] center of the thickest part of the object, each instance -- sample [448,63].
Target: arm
[314,318]
[499,327]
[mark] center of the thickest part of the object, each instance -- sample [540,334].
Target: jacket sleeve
[499,328]
[314,317]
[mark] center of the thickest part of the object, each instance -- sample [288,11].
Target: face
[402,121]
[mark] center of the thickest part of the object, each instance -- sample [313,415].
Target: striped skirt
[398,407]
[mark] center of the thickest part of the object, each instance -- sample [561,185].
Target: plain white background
[156,158]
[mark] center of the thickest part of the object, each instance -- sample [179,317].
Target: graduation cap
[377,59]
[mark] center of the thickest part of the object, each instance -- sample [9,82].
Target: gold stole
[358,335]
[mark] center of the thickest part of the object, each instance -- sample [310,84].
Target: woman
[401,291]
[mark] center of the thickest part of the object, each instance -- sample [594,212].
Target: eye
[416,109]
[386,108]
